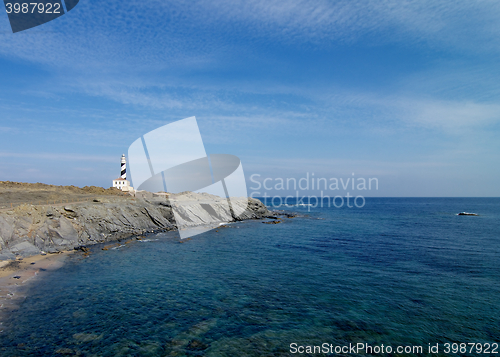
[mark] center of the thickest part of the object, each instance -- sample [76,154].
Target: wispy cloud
[59,157]
[453,115]
[447,23]
[147,34]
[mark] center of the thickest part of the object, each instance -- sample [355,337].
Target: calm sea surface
[395,272]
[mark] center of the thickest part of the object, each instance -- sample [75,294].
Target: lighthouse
[122,183]
[123,167]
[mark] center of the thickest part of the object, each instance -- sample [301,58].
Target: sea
[396,277]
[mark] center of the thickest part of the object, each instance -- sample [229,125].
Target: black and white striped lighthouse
[123,168]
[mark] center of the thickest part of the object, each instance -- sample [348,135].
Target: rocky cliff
[29,230]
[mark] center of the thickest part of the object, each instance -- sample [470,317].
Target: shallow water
[396,272]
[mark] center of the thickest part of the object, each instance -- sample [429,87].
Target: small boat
[467,214]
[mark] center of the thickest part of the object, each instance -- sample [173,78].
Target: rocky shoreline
[31,230]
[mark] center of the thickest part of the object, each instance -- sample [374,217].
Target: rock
[64,351]
[79,314]
[467,214]
[24,249]
[196,345]
[41,229]
[7,256]
[273,222]
[6,227]
[82,248]
[86,337]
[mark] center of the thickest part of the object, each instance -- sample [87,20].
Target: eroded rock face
[29,230]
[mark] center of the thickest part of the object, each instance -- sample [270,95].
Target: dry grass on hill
[16,193]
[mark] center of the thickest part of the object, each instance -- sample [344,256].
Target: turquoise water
[395,272]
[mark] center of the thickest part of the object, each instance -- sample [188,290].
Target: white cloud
[453,115]
[448,23]
[59,157]
[157,34]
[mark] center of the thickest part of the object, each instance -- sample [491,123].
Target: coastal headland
[78,217]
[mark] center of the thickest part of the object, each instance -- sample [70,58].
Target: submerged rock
[273,222]
[87,337]
[196,345]
[64,351]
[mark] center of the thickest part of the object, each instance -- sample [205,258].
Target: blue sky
[404,91]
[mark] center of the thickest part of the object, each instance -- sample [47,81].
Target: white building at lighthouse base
[123,184]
